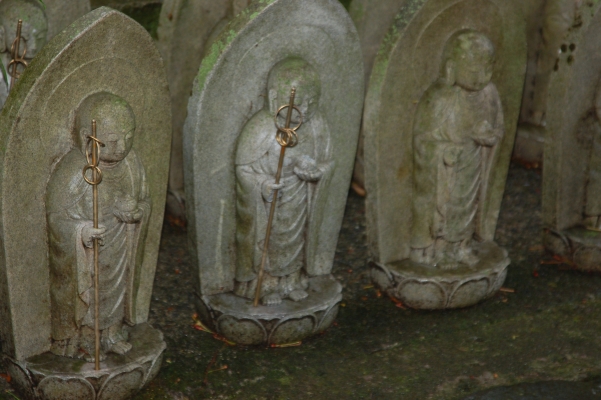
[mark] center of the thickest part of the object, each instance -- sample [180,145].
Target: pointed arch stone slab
[61,13]
[572,142]
[373,19]
[102,51]
[229,89]
[186,29]
[407,63]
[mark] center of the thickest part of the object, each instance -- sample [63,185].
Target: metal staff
[93,143]
[16,58]
[286,137]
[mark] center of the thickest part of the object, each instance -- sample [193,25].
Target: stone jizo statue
[458,123]
[33,32]
[305,166]
[124,209]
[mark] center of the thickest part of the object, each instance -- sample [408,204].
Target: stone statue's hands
[268,187]
[484,134]
[129,217]
[451,155]
[127,210]
[89,233]
[306,168]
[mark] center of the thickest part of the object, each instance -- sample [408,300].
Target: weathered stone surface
[435,289]
[427,125]
[548,23]
[373,19]
[61,13]
[38,132]
[186,28]
[34,35]
[240,322]
[120,4]
[51,377]
[572,167]
[230,150]
[40,24]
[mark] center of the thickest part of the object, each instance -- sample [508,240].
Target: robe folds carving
[298,214]
[69,210]
[451,169]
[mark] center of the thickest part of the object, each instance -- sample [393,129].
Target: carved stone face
[473,73]
[299,74]
[116,131]
[469,60]
[115,125]
[34,29]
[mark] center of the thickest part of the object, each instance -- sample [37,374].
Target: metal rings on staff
[98,175]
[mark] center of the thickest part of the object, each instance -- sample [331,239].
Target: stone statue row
[268,144]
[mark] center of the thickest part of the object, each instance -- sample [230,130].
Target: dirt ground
[549,329]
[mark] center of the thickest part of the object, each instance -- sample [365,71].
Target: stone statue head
[115,125]
[34,29]
[468,60]
[294,72]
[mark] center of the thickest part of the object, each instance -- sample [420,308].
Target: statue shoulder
[492,94]
[435,105]
[134,162]
[66,182]
[253,140]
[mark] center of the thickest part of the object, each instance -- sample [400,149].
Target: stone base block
[237,320]
[529,143]
[580,245]
[427,287]
[51,377]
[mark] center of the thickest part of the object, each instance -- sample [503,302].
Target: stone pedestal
[237,320]
[49,377]
[426,287]
[529,143]
[580,245]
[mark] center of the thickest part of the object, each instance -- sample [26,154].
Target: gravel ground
[547,330]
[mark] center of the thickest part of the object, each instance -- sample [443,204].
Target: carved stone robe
[451,170]
[69,208]
[3,84]
[291,243]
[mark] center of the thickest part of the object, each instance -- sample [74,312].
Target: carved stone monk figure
[124,209]
[459,121]
[305,172]
[33,32]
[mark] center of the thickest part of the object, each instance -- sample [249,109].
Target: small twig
[15,397]
[293,344]
[224,367]
[397,302]
[385,348]
[211,363]
[506,290]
